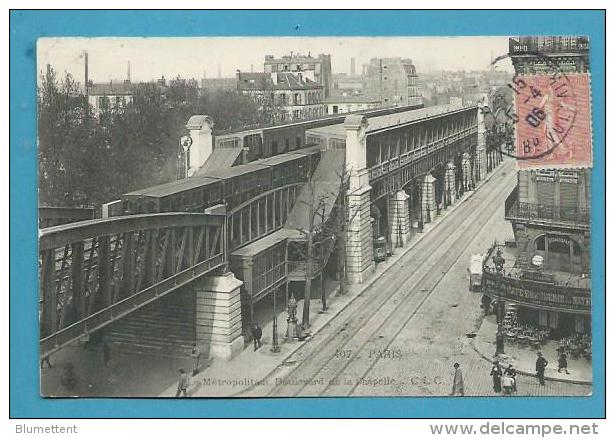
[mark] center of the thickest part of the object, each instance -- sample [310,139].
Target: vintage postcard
[315,217]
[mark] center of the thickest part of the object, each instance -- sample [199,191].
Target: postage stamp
[554,113]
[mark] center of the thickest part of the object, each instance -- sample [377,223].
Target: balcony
[553,290]
[541,214]
[547,44]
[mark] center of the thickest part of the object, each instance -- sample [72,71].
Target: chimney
[251,68]
[87,77]
[352,67]
[201,130]
[127,81]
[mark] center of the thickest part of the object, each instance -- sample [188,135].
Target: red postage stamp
[554,126]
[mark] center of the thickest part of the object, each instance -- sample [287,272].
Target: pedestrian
[507,385]
[512,373]
[182,385]
[106,352]
[562,364]
[196,357]
[257,333]
[496,373]
[457,381]
[45,360]
[541,365]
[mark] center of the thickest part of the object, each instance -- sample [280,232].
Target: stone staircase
[165,327]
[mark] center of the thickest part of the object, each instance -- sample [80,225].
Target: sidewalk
[232,378]
[524,358]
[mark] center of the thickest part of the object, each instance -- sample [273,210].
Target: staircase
[324,184]
[165,327]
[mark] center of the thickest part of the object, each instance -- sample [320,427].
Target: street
[402,335]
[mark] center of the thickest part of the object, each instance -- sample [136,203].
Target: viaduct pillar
[218,316]
[400,218]
[466,166]
[481,148]
[201,132]
[449,182]
[359,240]
[429,198]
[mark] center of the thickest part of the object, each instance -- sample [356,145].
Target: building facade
[393,80]
[289,96]
[347,103]
[318,67]
[547,271]
[103,96]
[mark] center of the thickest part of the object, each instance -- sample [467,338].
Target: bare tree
[316,207]
[326,227]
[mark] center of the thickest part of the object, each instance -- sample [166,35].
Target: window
[335,109]
[540,243]
[296,114]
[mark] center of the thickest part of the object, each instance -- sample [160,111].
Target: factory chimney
[87,77]
[127,81]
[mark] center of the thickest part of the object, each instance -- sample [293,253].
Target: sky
[152,58]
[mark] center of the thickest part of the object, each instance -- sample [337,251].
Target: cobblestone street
[430,320]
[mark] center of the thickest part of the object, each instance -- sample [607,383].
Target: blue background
[27,26]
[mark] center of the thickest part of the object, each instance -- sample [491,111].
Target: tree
[315,205]
[328,219]
[63,140]
[88,159]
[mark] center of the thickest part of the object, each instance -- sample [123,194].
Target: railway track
[380,313]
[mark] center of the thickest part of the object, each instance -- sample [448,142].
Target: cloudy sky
[192,57]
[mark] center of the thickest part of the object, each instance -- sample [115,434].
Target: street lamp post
[291,328]
[498,262]
[275,347]
[185,142]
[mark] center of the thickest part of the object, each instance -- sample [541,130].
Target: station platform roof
[379,123]
[261,245]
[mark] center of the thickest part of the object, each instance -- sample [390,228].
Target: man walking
[541,365]
[257,333]
[457,381]
[182,386]
[45,360]
[196,357]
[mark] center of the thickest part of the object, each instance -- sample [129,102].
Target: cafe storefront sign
[539,295]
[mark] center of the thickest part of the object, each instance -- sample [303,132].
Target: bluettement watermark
[504,428]
[44,430]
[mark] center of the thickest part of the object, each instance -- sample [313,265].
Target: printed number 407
[343,354]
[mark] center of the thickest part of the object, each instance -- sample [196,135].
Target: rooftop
[261,245]
[379,123]
[162,190]
[352,98]
[111,89]
[285,81]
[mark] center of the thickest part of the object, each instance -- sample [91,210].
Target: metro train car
[234,185]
